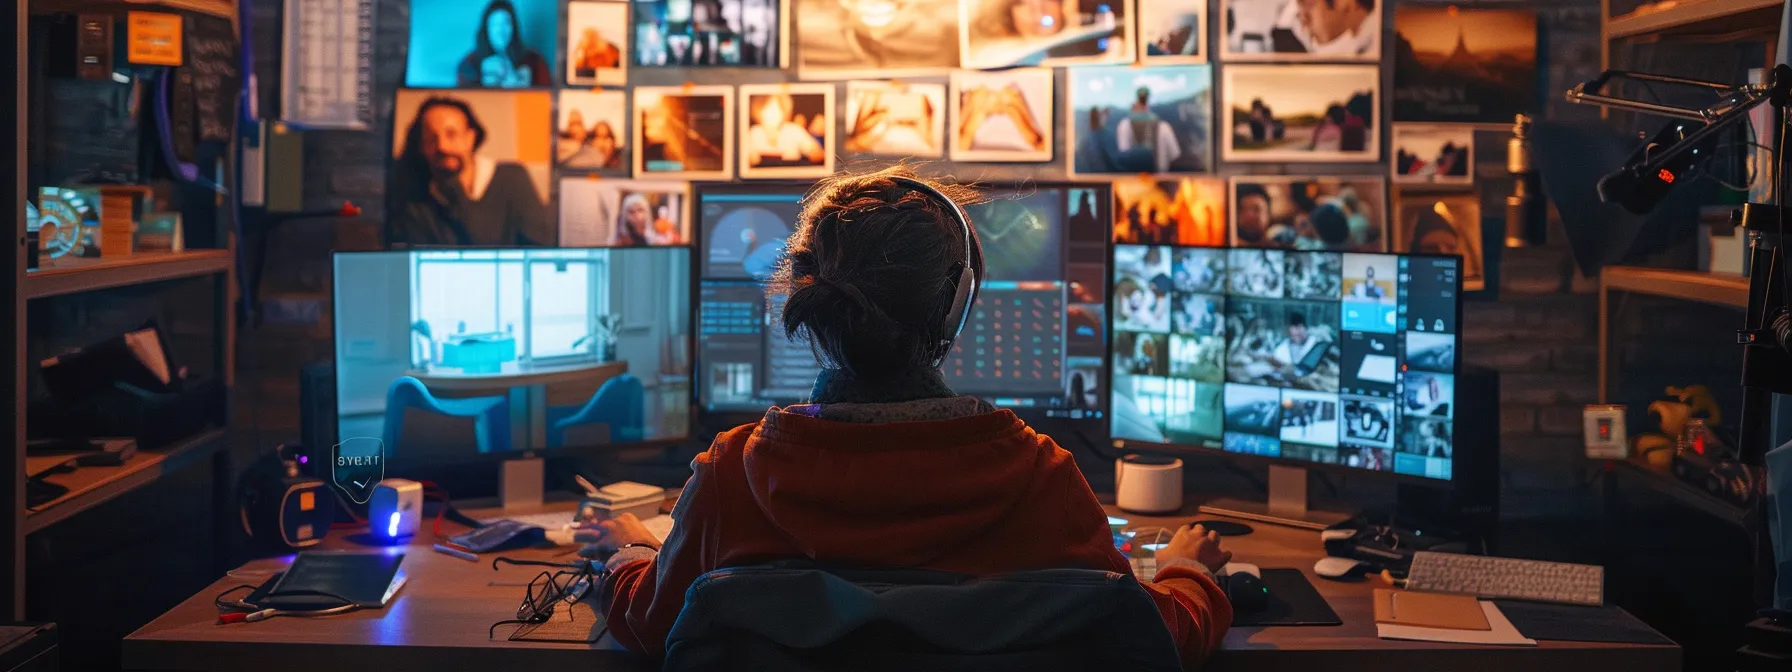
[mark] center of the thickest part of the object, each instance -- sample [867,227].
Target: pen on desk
[469,557]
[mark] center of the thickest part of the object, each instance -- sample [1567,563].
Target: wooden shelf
[91,486]
[70,276]
[1713,17]
[1721,289]
[1686,493]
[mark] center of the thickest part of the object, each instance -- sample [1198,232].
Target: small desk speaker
[396,509]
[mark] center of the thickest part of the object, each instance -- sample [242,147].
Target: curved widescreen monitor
[1319,357]
[1033,340]
[452,354]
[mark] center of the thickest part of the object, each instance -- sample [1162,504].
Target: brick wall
[1539,333]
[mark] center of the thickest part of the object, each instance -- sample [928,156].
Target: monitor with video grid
[1314,357]
[1032,341]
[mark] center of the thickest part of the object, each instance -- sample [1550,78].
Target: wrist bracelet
[638,544]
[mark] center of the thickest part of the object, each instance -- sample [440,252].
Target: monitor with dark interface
[448,355]
[1309,357]
[1033,340]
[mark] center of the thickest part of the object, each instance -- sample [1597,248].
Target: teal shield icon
[358,465]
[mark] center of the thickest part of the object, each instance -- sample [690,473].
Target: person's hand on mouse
[1197,544]
[608,535]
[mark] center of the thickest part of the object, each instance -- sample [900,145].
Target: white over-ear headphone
[965,288]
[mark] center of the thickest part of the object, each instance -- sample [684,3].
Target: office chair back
[619,406]
[789,616]
[420,423]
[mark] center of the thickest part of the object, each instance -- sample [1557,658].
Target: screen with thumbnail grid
[1323,357]
[1034,339]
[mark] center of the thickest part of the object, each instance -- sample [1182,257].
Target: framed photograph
[875,38]
[710,33]
[1432,223]
[1006,33]
[1302,114]
[623,213]
[684,132]
[1434,154]
[588,131]
[786,130]
[596,43]
[470,168]
[1464,65]
[1172,31]
[1190,212]
[1301,30]
[1002,116]
[483,44]
[892,118]
[1127,120]
[1346,214]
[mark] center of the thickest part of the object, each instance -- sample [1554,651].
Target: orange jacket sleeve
[1191,603]
[643,598]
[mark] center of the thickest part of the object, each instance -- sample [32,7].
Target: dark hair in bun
[871,271]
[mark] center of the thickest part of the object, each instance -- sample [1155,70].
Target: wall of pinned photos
[567,115]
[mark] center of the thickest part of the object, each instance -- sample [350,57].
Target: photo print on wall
[1464,65]
[1302,114]
[1006,33]
[1301,30]
[470,168]
[1127,120]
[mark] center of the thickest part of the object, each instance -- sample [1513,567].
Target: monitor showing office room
[455,355]
[1033,340]
[1305,357]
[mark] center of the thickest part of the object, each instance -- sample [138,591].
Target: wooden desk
[441,616]
[1354,645]
[532,389]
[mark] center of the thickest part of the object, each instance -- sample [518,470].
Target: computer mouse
[1340,569]
[1246,592]
[1225,528]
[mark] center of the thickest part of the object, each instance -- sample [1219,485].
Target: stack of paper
[1430,617]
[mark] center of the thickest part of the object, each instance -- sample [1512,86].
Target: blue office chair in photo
[485,423]
[620,404]
[799,616]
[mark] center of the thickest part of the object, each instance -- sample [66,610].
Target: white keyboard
[1507,578]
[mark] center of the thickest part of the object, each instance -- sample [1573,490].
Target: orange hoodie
[979,494]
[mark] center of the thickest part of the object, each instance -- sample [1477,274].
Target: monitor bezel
[580,450]
[706,419]
[1135,445]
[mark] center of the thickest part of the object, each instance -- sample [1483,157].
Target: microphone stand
[1766,335]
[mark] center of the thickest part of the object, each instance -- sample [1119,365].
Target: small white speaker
[1146,484]
[396,509]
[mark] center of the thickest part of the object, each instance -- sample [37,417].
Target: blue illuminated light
[392,525]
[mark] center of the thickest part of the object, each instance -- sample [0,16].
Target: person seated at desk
[887,467]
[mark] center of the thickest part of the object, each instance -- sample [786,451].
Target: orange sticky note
[153,38]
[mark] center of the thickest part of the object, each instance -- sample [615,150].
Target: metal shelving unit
[59,279]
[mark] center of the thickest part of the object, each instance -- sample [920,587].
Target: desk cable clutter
[318,584]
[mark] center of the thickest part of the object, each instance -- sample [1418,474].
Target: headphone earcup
[964,294]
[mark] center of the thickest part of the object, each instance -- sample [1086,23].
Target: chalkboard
[214,61]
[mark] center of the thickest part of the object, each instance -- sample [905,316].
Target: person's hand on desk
[607,536]
[1197,545]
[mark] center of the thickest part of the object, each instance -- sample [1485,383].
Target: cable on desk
[239,611]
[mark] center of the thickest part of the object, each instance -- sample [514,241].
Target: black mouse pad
[1292,601]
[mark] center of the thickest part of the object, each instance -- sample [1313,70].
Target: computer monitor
[1033,340]
[1312,358]
[465,354]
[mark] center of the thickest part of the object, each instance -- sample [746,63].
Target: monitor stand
[1287,503]
[520,483]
